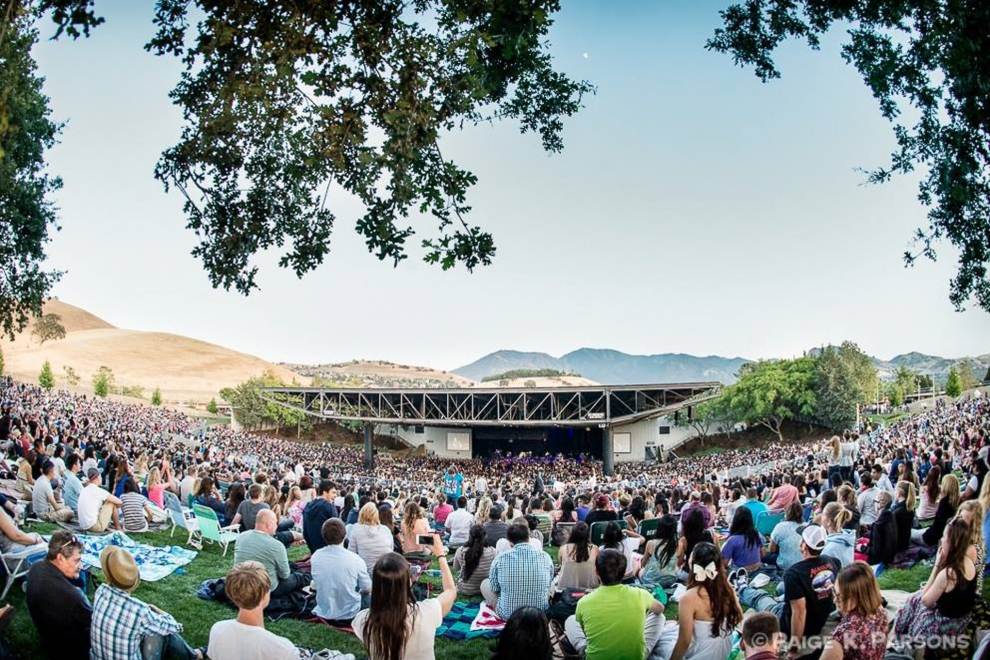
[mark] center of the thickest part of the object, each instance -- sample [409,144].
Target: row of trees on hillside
[104,383]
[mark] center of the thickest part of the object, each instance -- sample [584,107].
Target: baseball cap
[813,535]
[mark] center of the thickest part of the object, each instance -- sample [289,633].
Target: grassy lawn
[176,595]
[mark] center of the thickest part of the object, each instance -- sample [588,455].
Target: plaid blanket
[153,563]
[457,624]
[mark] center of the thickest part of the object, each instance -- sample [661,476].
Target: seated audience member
[25,477]
[601,512]
[862,629]
[753,503]
[413,526]
[761,637]
[577,561]
[261,546]
[495,527]
[785,542]
[807,591]
[368,537]
[903,511]
[245,638]
[248,510]
[97,507]
[615,620]
[13,540]
[929,494]
[744,547]
[948,502]
[942,607]
[519,577]
[625,541]
[694,504]
[526,635]
[693,532]
[459,524]
[340,577]
[660,559]
[71,486]
[841,542]
[397,626]
[441,510]
[707,613]
[784,495]
[316,512]
[883,533]
[473,561]
[125,627]
[60,611]
[135,507]
[208,496]
[503,545]
[236,494]
[43,501]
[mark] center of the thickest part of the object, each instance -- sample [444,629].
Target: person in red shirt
[783,495]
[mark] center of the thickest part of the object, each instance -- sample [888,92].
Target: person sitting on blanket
[520,577]
[125,627]
[260,545]
[97,507]
[615,620]
[247,513]
[43,501]
[396,626]
[71,486]
[340,577]
[761,637]
[59,609]
[245,638]
[13,540]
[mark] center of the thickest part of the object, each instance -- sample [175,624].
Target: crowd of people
[716,532]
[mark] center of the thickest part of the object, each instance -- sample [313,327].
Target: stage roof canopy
[603,405]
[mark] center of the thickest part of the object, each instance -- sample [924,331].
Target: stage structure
[604,407]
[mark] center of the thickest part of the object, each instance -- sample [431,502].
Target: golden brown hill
[185,369]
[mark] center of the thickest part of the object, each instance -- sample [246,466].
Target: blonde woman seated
[368,537]
[577,561]
[707,613]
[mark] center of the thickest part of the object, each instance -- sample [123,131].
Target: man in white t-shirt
[245,637]
[97,507]
[187,484]
[459,524]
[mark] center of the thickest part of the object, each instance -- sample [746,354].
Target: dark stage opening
[567,440]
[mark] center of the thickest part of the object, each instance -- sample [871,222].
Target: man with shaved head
[260,545]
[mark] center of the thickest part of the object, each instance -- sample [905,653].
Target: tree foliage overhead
[288,103]
[930,56]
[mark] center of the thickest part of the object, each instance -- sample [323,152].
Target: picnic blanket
[458,623]
[487,619]
[154,563]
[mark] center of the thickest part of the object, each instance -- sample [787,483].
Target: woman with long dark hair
[707,613]
[473,561]
[625,541]
[744,547]
[929,494]
[577,561]
[208,496]
[693,532]
[396,626]
[660,559]
[526,635]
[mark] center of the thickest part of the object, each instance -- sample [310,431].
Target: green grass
[176,594]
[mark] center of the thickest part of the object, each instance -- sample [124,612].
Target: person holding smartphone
[396,625]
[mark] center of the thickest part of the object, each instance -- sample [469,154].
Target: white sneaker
[759,581]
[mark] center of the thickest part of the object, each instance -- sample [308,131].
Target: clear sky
[693,210]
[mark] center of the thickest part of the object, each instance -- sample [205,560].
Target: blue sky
[693,209]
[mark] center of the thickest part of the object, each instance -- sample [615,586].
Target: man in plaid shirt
[125,628]
[520,577]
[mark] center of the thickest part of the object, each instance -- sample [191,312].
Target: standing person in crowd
[943,605]
[59,609]
[97,507]
[397,626]
[316,512]
[615,620]
[43,501]
[519,577]
[340,577]
[125,627]
[453,484]
[807,586]
[368,537]
[761,637]
[862,630]
[707,613]
[526,635]
[245,638]
[473,561]
[459,524]
[260,545]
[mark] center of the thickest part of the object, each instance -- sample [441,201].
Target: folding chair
[648,528]
[598,529]
[210,529]
[18,564]
[182,518]
[767,520]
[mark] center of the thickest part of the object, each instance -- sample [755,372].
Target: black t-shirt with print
[813,580]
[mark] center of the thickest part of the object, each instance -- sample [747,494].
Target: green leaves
[284,101]
[929,57]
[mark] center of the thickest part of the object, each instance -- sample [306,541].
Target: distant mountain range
[617,368]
